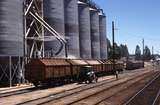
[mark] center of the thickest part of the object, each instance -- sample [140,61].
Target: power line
[140,37]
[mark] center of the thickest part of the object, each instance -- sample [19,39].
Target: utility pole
[143,50]
[113,53]
[113,43]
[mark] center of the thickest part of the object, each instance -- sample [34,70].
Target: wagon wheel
[90,81]
[36,84]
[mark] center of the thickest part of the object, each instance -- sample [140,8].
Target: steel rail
[155,100]
[126,103]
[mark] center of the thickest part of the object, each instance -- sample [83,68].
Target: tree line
[144,54]
[120,51]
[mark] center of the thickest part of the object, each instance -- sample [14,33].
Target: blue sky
[134,20]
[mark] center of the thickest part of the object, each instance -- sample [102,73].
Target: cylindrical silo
[84,30]
[11,28]
[103,37]
[95,38]
[54,16]
[72,28]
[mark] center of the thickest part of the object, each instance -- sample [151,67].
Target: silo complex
[23,30]
[11,28]
[72,28]
[54,16]
[84,31]
[103,39]
[95,38]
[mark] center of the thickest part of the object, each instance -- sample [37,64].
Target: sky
[134,20]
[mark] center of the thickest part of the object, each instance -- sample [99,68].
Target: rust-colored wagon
[42,70]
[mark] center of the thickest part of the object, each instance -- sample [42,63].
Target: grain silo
[95,38]
[72,28]
[11,28]
[84,30]
[11,40]
[103,37]
[54,16]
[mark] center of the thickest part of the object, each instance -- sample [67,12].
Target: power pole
[113,43]
[143,50]
[113,54]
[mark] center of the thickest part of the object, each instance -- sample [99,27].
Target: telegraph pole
[143,50]
[113,53]
[113,43]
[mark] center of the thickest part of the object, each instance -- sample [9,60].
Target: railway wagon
[131,65]
[108,66]
[55,71]
[47,70]
[96,65]
[76,64]
[119,66]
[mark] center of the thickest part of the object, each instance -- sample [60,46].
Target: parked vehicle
[131,65]
[87,75]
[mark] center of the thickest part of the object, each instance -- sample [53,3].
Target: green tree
[120,51]
[138,53]
[124,50]
[117,51]
[109,49]
[147,53]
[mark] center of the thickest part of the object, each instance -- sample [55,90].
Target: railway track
[121,96]
[17,92]
[110,93]
[65,93]
[14,88]
[71,93]
[96,96]
[148,95]
[23,94]
[157,99]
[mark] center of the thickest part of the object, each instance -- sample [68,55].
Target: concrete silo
[11,28]
[103,37]
[11,40]
[84,30]
[72,28]
[95,35]
[54,16]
